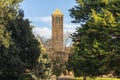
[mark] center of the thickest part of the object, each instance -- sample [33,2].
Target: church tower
[57,30]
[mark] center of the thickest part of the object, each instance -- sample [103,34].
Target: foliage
[18,47]
[97,42]
[81,12]
[67,39]
[28,45]
[11,65]
[42,70]
[58,60]
[97,78]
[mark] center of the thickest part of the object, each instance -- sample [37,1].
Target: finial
[57,11]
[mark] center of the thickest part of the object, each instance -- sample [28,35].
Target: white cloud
[69,25]
[42,31]
[47,33]
[69,30]
[46,19]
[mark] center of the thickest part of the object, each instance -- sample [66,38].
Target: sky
[39,13]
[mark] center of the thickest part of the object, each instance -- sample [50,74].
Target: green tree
[58,60]
[42,69]
[28,45]
[19,49]
[81,12]
[11,65]
[96,42]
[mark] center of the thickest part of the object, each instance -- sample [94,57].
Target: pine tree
[24,39]
[42,70]
[19,49]
[96,42]
[11,65]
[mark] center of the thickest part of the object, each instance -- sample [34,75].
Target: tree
[81,12]
[11,65]
[58,60]
[28,45]
[42,70]
[19,50]
[47,43]
[95,48]
[67,39]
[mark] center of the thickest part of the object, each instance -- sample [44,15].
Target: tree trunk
[56,77]
[84,77]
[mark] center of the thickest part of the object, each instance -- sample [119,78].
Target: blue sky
[39,13]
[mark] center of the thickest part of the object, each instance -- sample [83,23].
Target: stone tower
[57,30]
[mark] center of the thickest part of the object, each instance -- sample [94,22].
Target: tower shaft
[57,31]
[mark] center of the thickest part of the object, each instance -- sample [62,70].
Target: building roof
[57,12]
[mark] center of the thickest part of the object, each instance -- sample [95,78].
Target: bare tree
[67,39]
